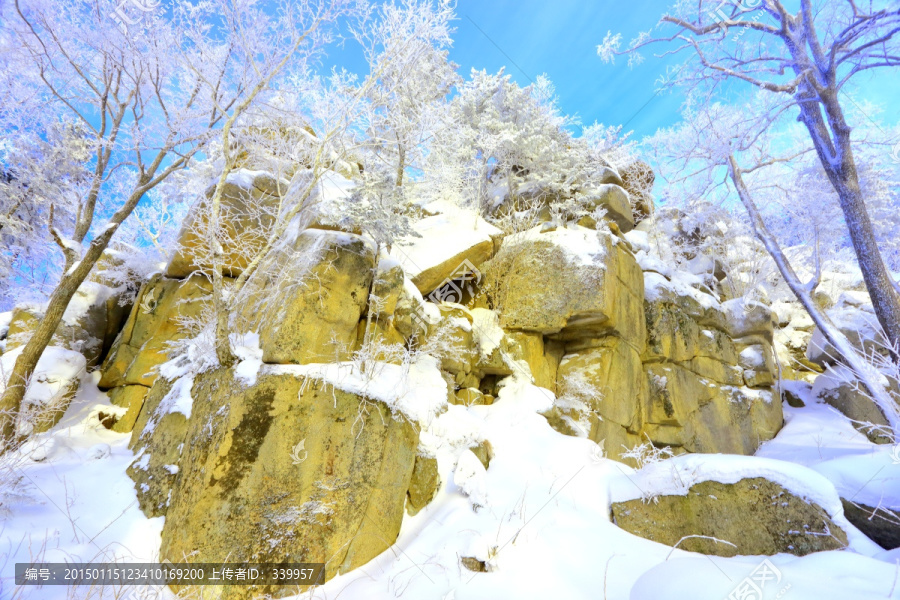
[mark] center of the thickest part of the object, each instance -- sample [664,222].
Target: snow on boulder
[469,477]
[730,505]
[312,469]
[50,390]
[840,389]
[570,281]
[451,241]
[89,325]
[747,317]
[858,323]
[616,202]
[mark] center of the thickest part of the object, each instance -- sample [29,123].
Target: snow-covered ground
[538,517]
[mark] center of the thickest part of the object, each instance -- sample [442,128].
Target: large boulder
[754,516]
[614,200]
[89,325]
[881,525]
[307,299]
[567,283]
[748,317]
[859,326]
[839,388]
[248,209]
[448,246]
[290,469]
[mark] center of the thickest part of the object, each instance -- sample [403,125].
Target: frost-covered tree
[804,53]
[718,152]
[384,119]
[44,170]
[149,93]
[406,48]
[504,135]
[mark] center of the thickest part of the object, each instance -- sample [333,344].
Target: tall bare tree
[151,89]
[807,58]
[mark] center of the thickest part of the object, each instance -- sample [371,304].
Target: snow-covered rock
[452,244]
[50,390]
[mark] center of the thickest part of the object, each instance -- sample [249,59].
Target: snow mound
[447,234]
[57,375]
[582,246]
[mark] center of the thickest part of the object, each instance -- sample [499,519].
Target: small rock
[473,564]
[485,452]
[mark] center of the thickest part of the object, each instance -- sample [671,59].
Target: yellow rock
[288,470]
[423,485]
[715,370]
[671,333]
[542,361]
[755,516]
[538,285]
[309,312]
[132,398]
[614,370]
[249,206]
[157,318]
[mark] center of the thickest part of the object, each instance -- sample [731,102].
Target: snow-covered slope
[537,519]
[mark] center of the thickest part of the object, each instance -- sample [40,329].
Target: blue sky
[559,38]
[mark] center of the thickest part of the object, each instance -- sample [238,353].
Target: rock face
[709,372]
[157,441]
[287,470]
[249,205]
[635,357]
[284,467]
[160,310]
[309,312]
[857,325]
[158,318]
[757,516]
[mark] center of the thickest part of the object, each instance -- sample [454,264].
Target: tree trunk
[401,163]
[26,364]
[867,374]
[840,166]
